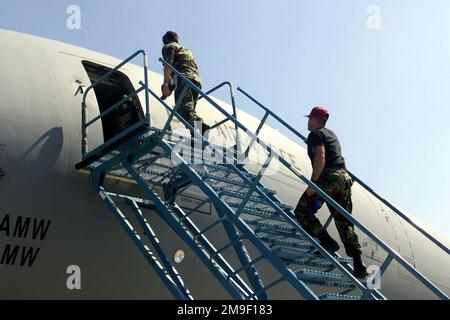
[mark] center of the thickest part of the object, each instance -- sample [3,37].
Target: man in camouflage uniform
[184,62]
[330,175]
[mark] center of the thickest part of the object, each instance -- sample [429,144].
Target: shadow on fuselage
[52,145]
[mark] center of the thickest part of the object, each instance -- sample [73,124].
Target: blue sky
[388,90]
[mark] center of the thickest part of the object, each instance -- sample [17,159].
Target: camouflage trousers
[338,185]
[189,102]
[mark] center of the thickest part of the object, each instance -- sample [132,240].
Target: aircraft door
[109,92]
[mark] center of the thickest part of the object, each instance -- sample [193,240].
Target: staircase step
[260,213]
[234,182]
[274,225]
[286,243]
[335,296]
[279,236]
[188,153]
[292,255]
[316,263]
[230,173]
[227,168]
[204,154]
[103,159]
[333,284]
[324,279]
[153,174]
[162,165]
[320,275]
[177,139]
[216,176]
[273,232]
[254,199]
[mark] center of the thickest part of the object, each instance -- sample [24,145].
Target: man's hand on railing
[167,89]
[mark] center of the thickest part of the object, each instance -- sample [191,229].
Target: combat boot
[359,269]
[327,242]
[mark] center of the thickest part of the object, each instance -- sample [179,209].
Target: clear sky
[388,89]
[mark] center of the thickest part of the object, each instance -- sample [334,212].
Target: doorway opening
[110,91]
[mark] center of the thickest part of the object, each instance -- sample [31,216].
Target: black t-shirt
[333,155]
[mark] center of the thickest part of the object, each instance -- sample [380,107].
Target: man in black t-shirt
[330,175]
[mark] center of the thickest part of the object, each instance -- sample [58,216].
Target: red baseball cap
[319,112]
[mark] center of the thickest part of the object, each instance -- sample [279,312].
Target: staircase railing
[392,255]
[288,217]
[253,184]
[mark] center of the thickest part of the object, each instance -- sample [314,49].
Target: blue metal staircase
[261,229]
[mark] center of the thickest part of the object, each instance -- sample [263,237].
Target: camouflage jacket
[182,60]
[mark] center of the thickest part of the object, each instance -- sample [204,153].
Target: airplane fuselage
[51,218]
